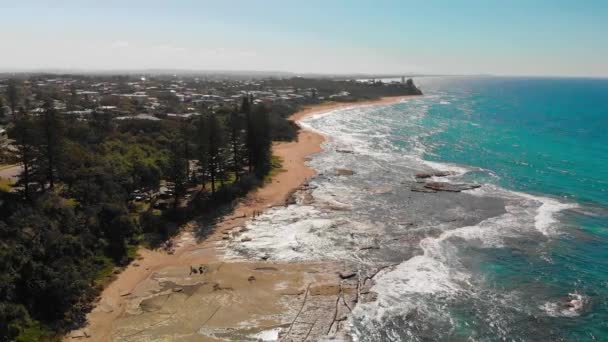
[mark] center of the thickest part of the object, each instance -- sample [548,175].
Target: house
[88,95]
[183,116]
[340,95]
[138,97]
[107,109]
[138,117]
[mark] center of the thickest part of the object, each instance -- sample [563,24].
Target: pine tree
[177,171]
[249,133]
[52,144]
[246,104]
[186,133]
[2,113]
[215,159]
[261,142]
[235,143]
[12,95]
[202,141]
[24,134]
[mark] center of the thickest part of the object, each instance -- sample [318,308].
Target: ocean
[524,257]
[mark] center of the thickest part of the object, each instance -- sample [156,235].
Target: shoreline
[139,281]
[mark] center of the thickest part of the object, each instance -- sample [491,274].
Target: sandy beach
[158,298]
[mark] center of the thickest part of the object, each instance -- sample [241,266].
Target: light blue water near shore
[523,258]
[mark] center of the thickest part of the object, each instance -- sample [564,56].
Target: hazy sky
[513,37]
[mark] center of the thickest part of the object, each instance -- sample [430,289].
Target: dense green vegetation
[91,191]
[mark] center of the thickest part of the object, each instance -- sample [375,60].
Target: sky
[508,37]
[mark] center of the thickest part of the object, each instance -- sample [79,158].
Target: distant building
[88,95]
[107,109]
[183,116]
[340,95]
[138,117]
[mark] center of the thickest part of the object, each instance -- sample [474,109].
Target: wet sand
[157,297]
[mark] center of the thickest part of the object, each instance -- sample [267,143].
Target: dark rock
[344,151]
[450,187]
[266,268]
[423,175]
[344,172]
[423,189]
[347,274]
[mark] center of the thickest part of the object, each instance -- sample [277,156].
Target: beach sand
[156,297]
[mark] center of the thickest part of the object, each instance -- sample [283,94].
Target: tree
[249,133]
[52,143]
[202,140]
[2,113]
[235,124]
[24,134]
[117,228]
[12,95]
[261,142]
[72,101]
[215,148]
[177,171]
[246,104]
[186,133]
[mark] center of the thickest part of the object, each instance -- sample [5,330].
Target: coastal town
[159,97]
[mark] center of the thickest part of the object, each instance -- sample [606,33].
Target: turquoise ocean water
[546,137]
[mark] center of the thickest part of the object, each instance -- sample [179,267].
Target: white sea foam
[545,220]
[457,169]
[267,335]
[570,307]
[298,233]
[545,208]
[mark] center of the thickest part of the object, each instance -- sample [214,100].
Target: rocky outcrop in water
[444,186]
[424,175]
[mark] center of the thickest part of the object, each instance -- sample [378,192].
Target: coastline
[118,311]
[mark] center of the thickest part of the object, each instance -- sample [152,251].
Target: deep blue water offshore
[523,258]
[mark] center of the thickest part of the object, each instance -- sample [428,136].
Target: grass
[132,251]
[70,202]
[276,167]
[6,185]
[35,332]
[106,269]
